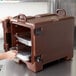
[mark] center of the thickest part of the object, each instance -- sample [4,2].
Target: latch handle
[61,12]
[21,18]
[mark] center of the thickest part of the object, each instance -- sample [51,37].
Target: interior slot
[24,56]
[24,52]
[24,41]
[23,32]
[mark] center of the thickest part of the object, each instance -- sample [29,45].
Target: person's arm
[10,55]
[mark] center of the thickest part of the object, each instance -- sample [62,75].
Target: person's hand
[10,55]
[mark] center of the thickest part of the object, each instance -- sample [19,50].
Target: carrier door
[7,34]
